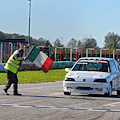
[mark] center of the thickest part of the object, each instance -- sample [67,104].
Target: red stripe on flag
[47,65]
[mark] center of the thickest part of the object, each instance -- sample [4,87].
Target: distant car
[93,75]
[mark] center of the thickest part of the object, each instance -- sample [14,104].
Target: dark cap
[21,50]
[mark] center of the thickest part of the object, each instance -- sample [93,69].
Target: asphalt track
[46,101]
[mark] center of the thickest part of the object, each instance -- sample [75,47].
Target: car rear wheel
[118,92]
[109,94]
[67,93]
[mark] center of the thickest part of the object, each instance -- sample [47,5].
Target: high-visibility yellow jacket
[12,65]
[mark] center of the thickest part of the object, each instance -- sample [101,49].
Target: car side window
[113,66]
[117,66]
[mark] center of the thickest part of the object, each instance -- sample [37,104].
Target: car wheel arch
[111,83]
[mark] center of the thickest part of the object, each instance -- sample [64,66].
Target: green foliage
[39,42]
[72,43]
[112,41]
[85,43]
[2,35]
[79,45]
[36,76]
[57,43]
[89,43]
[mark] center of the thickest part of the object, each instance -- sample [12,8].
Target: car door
[114,75]
[118,73]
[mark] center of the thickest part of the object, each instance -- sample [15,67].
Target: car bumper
[85,87]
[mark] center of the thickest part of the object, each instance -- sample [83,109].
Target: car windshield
[92,65]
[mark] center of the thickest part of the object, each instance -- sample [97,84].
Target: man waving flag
[40,59]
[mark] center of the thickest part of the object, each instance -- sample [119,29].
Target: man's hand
[25,58]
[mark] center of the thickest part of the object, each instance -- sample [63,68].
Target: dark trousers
[12,79]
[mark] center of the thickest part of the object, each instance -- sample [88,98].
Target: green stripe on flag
[33,54]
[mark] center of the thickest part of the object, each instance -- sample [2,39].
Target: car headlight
[100,80]
[69,79]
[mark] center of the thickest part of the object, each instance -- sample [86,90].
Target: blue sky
[64,19]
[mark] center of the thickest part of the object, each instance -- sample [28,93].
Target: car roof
[96,58]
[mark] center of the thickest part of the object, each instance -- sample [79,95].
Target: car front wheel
[109,94]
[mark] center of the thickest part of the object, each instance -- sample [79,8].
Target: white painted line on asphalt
[57,93]
[112,104]
[4,100]
[59,107]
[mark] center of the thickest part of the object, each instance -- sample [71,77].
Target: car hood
[88,76]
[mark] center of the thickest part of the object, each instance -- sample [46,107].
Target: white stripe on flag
[40,59]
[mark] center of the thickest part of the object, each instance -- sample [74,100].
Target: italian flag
[40,59]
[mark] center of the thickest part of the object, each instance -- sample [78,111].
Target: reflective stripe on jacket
[12,65]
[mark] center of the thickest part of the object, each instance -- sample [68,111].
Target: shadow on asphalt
[42,96]
[100,95]
[82,97]
[94,96]
[73,96]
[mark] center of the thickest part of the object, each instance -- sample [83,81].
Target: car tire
[109,94]
[118,92]
[67,93]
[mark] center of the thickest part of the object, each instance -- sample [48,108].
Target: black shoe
[17,94]
[5,92]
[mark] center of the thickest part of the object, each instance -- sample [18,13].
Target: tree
[47,43]
[33,41]
[2,35]
[89,43]
[112,41]
[79,45]
[72,43]
[57,43]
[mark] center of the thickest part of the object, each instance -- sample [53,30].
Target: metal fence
[60,53]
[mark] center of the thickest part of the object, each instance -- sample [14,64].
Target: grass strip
[36,76]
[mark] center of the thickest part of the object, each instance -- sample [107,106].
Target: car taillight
[100,80]
[69,79]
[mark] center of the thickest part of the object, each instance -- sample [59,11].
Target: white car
[93,75]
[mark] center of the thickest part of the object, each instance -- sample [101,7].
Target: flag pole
[29,22]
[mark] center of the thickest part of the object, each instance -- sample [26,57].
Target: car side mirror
[67,69]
